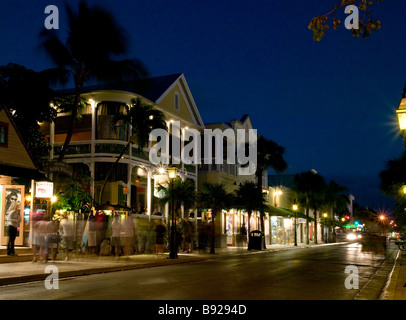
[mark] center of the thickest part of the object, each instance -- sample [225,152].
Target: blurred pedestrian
[157,212]
[91,234]
[80,229]
[66,231]
[34,234]
[160,232]
[187,232]
[53,239]
[127,234]
[115,235]
[43,239]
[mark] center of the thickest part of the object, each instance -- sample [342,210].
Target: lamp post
[294,207]
[326,235]
[173,254]
[382,219]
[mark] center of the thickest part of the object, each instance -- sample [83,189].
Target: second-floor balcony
[109,148]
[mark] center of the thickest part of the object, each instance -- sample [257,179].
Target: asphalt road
[316,273]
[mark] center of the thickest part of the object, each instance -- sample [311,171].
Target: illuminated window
[3,134]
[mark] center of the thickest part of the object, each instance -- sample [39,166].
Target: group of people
[46,235]
[104,235]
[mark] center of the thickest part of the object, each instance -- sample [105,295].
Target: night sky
[331,104]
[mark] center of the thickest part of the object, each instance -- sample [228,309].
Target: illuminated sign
[44,189]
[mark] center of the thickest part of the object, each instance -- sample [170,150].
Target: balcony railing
[74,149]
[84,149]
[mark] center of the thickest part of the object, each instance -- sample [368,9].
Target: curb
[388,292]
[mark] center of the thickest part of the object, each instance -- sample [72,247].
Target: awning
[24,173]
[276,211]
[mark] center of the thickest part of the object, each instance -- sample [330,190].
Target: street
[315,273]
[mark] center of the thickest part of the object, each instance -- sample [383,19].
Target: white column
[149,193]
[52,139]
[93,134]
[130,171]
[31,210]
[93,147]
[91,169]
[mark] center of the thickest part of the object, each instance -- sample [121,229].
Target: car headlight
[351,236]
[359,236]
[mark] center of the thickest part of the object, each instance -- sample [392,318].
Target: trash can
[256,240]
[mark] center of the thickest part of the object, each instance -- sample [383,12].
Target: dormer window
[176,102]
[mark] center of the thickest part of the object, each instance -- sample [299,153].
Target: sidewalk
[27,271]
[396,286]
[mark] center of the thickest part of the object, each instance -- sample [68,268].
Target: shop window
[3,134]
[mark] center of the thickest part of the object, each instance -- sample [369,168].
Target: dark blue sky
[331,104]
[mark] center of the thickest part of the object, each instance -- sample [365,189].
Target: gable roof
[150,88]
[153,89]
[15,159]
[232,123]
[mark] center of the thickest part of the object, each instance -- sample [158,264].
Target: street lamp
[326,228]
[401,114]
[173,254]
[294,207]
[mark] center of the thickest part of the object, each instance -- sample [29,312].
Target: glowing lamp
[401,114]
[172,172]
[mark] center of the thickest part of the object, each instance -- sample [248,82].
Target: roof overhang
[23,173]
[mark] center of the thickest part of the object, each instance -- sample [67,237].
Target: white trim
[189,94]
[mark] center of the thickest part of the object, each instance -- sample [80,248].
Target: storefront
[17,174]
[282,230]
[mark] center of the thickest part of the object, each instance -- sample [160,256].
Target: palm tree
[306,184]
[336,200]
[143,118]
[94,41]
[316,202]
[184,194]
[269,154]
[250,198]
[393,181]
[215,197]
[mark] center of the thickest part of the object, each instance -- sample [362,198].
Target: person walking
[115,235]
[127,234]
[91,234]
[66,231]
[160,232]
